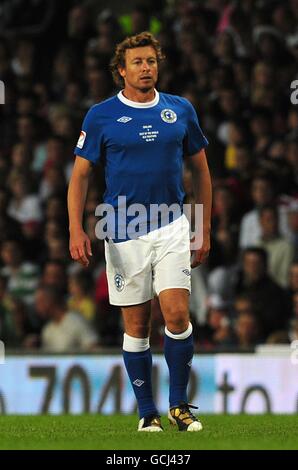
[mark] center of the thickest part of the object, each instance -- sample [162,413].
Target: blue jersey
[142,146]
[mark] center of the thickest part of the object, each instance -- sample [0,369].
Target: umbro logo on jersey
[124,119]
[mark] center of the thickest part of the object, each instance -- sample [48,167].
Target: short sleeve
[90,140]
[194,139]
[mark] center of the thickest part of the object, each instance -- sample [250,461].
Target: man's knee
[138,329]
[177,319]
[137,320]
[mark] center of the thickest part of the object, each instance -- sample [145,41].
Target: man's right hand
[80,247]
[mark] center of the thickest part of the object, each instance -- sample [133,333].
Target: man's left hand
[199,256]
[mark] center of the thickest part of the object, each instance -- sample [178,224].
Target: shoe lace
[148,419]
[185,408]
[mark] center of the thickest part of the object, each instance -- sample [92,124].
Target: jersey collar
[135,104]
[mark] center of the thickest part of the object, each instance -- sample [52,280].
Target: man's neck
[139,96]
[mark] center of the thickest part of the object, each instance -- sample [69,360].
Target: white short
[139,269]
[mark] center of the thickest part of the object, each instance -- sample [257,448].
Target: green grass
[119,432]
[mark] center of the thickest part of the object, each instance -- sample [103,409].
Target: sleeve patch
[81,139]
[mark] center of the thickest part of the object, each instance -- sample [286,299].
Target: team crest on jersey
[169,116]
[119,282]
[124,119]
[81,139]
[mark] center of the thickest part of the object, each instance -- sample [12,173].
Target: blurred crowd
[235,61]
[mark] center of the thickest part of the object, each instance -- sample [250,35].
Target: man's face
[246,327]
[11,254]
[269,223]
[53,275]
[253,267]
[42,304]
[261,192]
[141,68]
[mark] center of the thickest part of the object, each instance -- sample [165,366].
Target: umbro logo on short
[186,271]
[124,119]
[138,382]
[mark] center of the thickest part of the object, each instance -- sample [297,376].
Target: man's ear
[122,71]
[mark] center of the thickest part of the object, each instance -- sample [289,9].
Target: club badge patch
[169,116]
[119,282]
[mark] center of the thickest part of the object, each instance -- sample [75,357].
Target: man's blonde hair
[139,40]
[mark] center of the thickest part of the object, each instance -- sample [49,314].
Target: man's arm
[203,195]
[79,243]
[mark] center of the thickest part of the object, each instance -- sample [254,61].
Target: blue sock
[178,354]
[139,368]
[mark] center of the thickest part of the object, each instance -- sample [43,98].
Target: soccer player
[142,136]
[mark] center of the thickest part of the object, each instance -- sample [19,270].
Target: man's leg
[138,361]
[178,344]
[178,347]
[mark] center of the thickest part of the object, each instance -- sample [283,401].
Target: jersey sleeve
[91,137]
[194,139]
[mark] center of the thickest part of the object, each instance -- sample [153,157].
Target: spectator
[224,48]
[23,63]
[65,330]
[293,226]
[246,330]
[32,243]
[6,326]
[55,209]
[292,159]
[246,324]
[21,157]
[262,193]
[290,333]
[9,228]
[58,250]
[139,20]
[80,299]
[269,300]
[225,223]
[54,275]
[53,183]
[23,207]
[242,170]
[53,229]
[279,250]
[22,277]
[293,278]
[217,331]
[234,134]
[79,27]
[21,333]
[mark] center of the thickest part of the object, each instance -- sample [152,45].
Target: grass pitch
[119,432]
